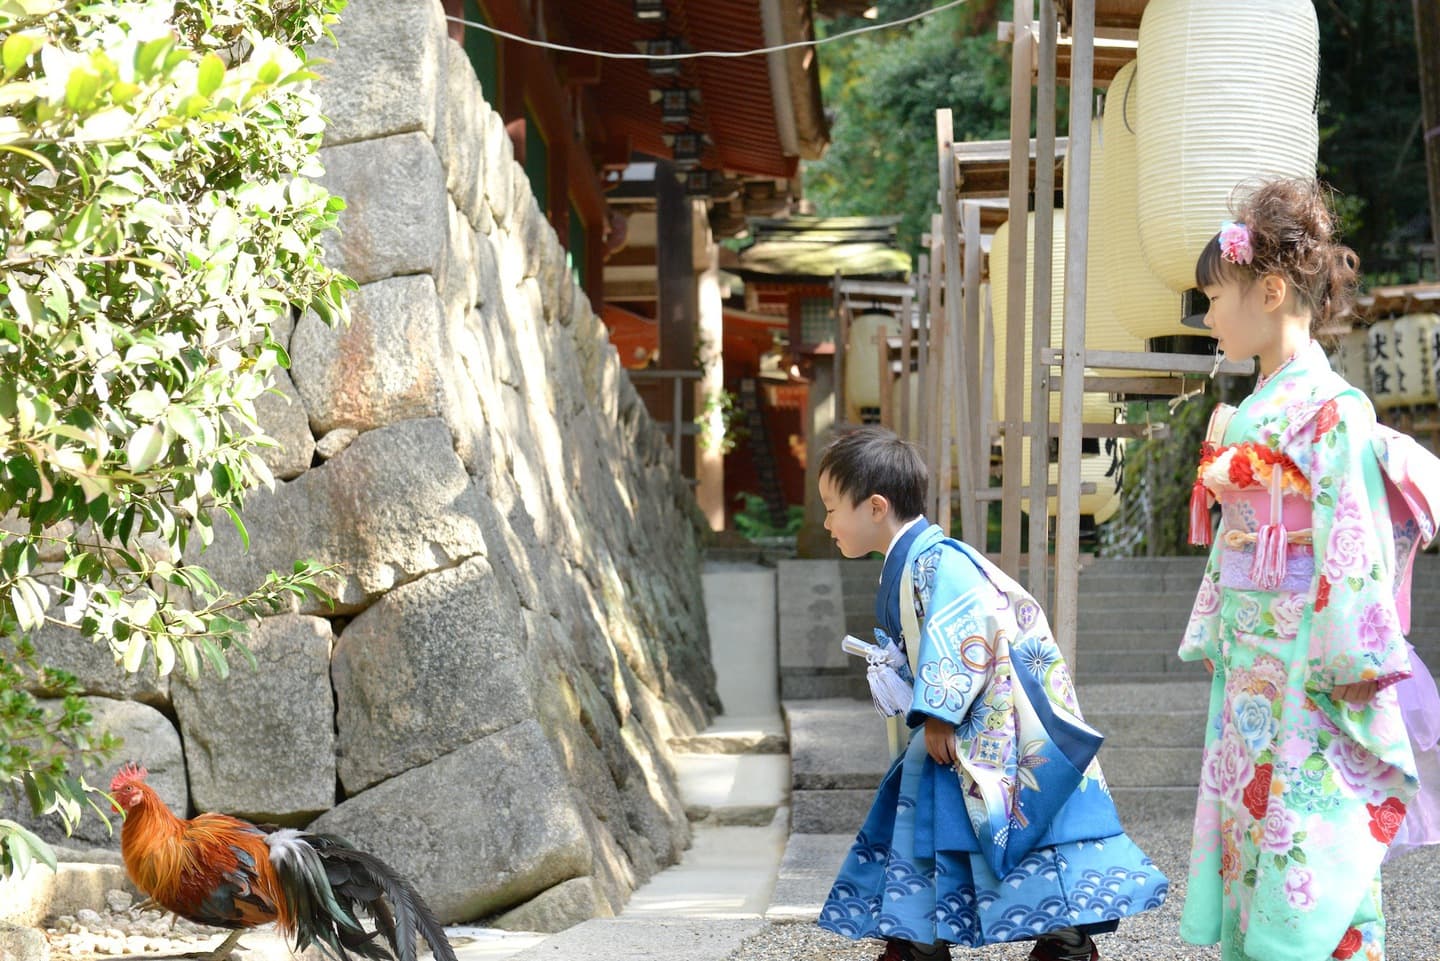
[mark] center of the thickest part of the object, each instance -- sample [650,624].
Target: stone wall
[488,705]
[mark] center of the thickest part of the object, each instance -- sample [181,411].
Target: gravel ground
[123,928]
[1412,908]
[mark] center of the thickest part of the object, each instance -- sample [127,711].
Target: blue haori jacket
[983,658]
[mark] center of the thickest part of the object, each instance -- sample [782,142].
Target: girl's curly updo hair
[1292,234]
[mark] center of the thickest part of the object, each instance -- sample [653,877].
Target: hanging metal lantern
[686,147]
[662,47]
[650,11]
[675,103]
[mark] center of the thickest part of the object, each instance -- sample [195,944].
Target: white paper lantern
[862,360]
[1226,95]
[1138,300]
[1401,370]
[1350,361]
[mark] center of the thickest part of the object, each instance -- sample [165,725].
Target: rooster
[219,870]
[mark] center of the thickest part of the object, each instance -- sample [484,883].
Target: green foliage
[885,88]
[1372,147]
[725,406]
[754,523]
[158,216]
[1154,518]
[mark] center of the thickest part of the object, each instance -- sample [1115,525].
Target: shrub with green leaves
[159,217]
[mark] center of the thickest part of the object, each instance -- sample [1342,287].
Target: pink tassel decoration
[1199,515]
[1268,570]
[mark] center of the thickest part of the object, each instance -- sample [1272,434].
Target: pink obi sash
[1261,551]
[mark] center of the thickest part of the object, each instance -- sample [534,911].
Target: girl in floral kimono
[1308,769]
[994,823]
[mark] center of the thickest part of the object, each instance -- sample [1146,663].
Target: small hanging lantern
[686,147]
[697,183]
[650,11]
[662,47]
[675,104]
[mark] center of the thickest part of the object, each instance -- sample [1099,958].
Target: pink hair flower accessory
[1235,243]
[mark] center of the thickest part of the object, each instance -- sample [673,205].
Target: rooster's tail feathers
[400,913]
[316,914]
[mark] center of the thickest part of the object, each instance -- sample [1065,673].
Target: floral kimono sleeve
[955,642]
[1202,633]
[1352,627]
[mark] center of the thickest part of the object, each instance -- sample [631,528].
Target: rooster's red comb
[128,774]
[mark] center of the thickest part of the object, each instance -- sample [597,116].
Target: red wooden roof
[736,108]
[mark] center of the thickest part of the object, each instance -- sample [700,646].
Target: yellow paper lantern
[1102,470]
[862,361]
[1226,95]
[1139,302]
[1099,334]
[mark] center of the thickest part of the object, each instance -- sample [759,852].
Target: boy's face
[859,528]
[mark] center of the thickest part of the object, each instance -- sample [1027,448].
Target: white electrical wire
[696,54]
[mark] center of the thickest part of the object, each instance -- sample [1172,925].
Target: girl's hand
[940,741]
[1358,693]
[1209,665]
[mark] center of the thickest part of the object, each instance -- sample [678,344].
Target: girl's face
[857,529]
[1238,318]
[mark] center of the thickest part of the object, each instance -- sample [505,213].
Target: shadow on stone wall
[488,706]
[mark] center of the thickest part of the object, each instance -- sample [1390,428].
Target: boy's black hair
[872,460]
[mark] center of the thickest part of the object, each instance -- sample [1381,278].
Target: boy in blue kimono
[994,824]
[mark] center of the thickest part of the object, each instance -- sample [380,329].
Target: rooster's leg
[226,946]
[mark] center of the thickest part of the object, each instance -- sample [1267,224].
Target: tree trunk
[1427,46]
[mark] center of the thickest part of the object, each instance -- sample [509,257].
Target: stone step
[1151,766]
[799,685]
[736,734]
[833,811]
[1135,729]
[807,872]
[1100,664]
[1156,617]
[1136,804]
[1125,639]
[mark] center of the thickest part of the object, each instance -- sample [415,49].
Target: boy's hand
[1358,693]
[940,741]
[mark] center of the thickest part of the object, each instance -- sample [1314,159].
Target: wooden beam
[1102,431]
[618,290]
[633,257]
[991,494]
[1168,363]
[1155,386]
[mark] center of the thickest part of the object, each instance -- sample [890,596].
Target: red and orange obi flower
[1248,466]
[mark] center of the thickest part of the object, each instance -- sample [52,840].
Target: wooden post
[1044,268]
[982,364]
[1016,365]
[882,364]
[955,370]
[906,418]
[922,341]
[678,307]
[1072,370]
[941,366]
[842,337]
